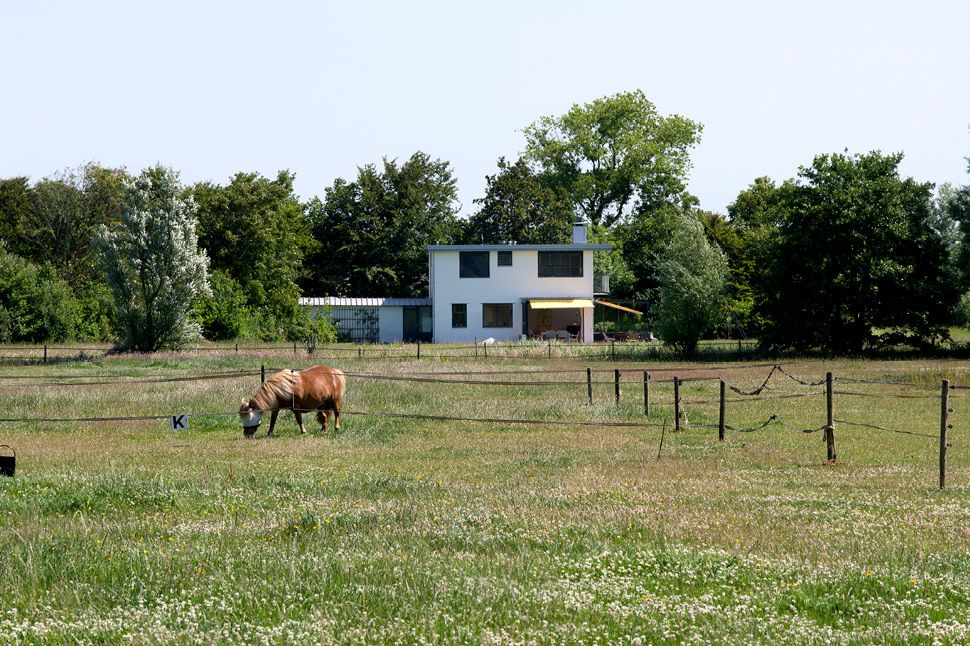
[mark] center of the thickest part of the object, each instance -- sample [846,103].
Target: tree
[641,240]
[613,153]
[153,263]
[35,304]
[374,232]
[65,213]
[256,231]
[756,217]
[517,207]
[858,263]
[14,212]
[692,275]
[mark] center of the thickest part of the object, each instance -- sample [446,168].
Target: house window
[560,264]
[473,264]
[504,258]
[497,315]
[459,315]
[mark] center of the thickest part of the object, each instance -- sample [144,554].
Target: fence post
[45,353]
[262,374]
[676,403]
[549,348]
[359,352]
[830,419]
[616,385]
[646,392]
[419,348]
[485,348]
[612,350]
[944,411]
[739,346]
[237,346]
[476,347]
[589,385]
[720,423]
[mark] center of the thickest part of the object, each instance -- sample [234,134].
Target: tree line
[845,256]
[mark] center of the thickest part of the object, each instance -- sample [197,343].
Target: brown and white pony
[319,389]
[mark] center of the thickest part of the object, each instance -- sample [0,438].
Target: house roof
[341,301]
[520,247]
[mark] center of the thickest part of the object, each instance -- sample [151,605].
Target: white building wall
[504,285]
[391,324]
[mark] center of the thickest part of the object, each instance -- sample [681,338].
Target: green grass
[399,530]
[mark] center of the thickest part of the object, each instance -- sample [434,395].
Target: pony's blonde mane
[277,389]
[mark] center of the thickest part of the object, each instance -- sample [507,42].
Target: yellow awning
[559,303]
[619,307]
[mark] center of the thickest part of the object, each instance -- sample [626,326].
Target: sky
[320,88]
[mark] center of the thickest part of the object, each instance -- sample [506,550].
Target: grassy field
[409,530]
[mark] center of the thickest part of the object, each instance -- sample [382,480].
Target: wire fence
[532,378]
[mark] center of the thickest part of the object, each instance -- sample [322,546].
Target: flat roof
[520,247]
[344,301]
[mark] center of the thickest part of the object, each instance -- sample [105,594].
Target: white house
[501,291]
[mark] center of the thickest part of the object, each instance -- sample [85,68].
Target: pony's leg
[272,421]
[336,414]
[322,417]
[299,420]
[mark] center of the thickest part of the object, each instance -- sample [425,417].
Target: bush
[222,315]
[35,304]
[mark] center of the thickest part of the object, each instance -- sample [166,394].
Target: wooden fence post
[262,374]
[45,353]
[589,385]
[830,419]
[485,347]
[616,385]
[476,347]
[676,403]
[720,423]
[419,348]
[237,346]
[549,348]
[360,352]
[646,392]
[944,413]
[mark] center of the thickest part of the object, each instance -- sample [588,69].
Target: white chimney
[579,233]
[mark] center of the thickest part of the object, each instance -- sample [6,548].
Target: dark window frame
[499,320]
[463,315]
[470,264]
[503,255]
[560,264]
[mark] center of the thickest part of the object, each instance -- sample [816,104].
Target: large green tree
[14,213]
[62,216]
[373,231]
[857,263]
[691,272]
[518,207]
[613,155]
[748,238]
[256,231]
[154,265]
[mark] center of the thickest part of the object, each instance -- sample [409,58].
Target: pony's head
[251,418]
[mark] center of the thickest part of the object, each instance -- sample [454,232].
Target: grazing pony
[319,389]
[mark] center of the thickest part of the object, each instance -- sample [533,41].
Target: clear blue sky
[212,88]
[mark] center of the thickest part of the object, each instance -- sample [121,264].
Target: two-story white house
[476,292]
[509,291]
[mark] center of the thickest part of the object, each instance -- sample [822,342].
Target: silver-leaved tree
[692,275]
[154,265]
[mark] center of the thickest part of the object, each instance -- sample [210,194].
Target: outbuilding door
[418,324]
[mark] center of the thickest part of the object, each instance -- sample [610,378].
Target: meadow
[411,530]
